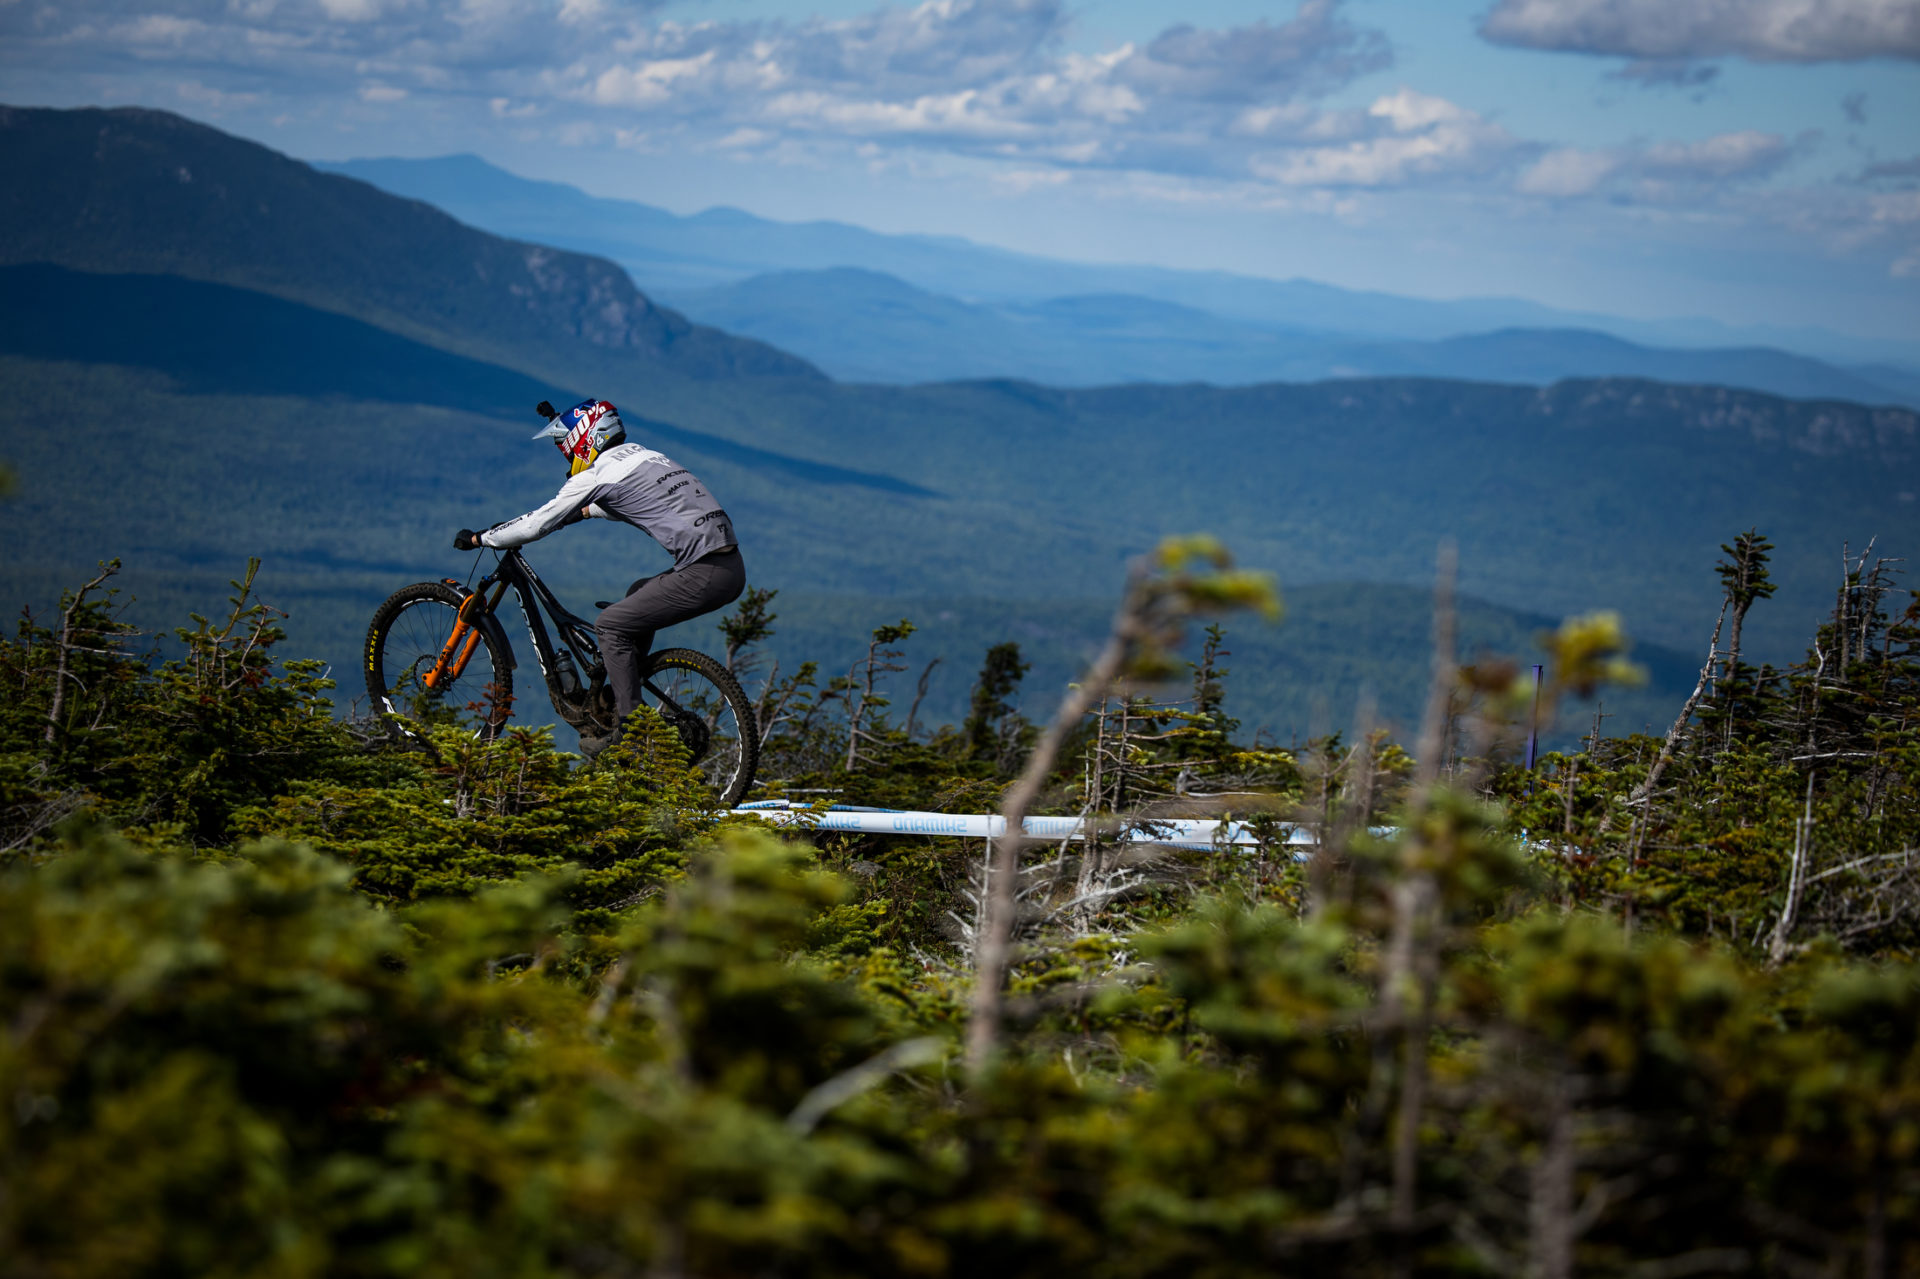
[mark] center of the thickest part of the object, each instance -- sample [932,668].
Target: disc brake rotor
[693,730]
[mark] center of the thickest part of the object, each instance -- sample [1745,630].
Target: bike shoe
[592,744]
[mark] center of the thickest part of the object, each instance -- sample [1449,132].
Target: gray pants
[626,626]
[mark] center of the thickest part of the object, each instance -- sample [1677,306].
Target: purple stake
[1533,723]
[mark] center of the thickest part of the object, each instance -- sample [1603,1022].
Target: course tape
[1181,832]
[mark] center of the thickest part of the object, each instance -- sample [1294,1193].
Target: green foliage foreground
[278,999]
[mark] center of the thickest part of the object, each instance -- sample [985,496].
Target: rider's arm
[564,509]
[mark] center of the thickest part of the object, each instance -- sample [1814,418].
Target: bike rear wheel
[706,706]
[409,632]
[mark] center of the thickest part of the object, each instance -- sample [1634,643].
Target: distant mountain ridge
[674,254]
[1540,357]
[133,190]
[865,326]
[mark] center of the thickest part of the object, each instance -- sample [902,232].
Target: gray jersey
[633,483]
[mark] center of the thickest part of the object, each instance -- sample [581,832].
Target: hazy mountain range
[867,306]
[867,327]
[251,357]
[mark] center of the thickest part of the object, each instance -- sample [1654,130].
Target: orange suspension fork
[458,650]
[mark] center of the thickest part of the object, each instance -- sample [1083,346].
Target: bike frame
[575,632]
[515,574]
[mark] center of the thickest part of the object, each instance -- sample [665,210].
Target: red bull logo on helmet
[589,424]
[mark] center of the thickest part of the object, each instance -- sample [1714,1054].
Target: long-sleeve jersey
[635,484]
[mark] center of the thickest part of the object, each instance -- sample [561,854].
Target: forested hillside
[145,191]
[345,455]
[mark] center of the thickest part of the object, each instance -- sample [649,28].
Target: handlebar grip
[544,409]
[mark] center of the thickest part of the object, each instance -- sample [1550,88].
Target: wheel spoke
[409,634]
[705,708]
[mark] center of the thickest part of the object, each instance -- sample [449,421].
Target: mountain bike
[438,654]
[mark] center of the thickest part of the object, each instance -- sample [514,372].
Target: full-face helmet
[583,432]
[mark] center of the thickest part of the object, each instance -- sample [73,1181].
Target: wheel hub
[694,734]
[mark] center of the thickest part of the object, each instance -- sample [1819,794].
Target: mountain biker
[612,479]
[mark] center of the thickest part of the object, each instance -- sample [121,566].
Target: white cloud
[1314,52]
[351,10]
[1020,181]
[158,29]
[1569,171]
[1663,172]
[1748,153]
[1890,219]
[1896,208]
[649,83]
[1417,137]
[949,71]
[1762,30]
[318,46]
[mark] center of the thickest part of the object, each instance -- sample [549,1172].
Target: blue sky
[1756,161]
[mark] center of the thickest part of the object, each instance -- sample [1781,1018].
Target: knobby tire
[737,753]
[401,640]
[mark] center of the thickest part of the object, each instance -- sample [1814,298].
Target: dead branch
[66,648]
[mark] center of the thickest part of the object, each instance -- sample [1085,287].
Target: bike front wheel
[703,703]
[410,634]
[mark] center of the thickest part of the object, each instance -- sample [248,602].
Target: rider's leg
[625,641]
[626,627]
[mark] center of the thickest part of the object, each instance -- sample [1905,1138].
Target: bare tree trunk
[59,704]
[1840,607]
[1356,814]
[858,712]
[1732,696]
[1097,784]
[1150,613]
[763,713]
[1643,794]
[880,660]
[1796,881]
[1412,905]
[1090,854]
[995,941]
[1645,790]
[1412,947]
[920,695]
